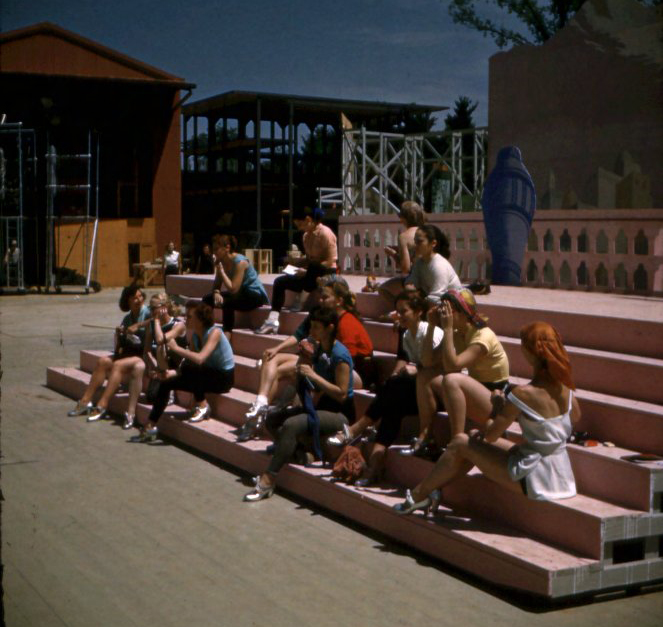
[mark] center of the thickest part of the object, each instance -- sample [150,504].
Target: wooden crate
[261,258]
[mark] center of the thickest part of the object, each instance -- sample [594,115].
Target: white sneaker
[256,409]
[269,327]
[199,413]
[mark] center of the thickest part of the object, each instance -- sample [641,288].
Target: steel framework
[17,155]
[86,207]
[381,170]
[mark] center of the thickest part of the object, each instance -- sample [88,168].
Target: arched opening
[583,274]
[583,242]
[357,239]
[532,241]
[532,272]
[357,263]
[548,273]
[621,243]
[565,242]
[601,276]
[641,245]
[367,263]
[474,240]
[367,239]
[376,238]
[565,274]
[472,270]
[376,262]
[460,240]
[347,264]
[601,242]
[640,279]
[548,241]
[347,239]
[621,278]
[388,238]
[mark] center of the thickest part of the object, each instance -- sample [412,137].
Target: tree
[461,118]
[541,19]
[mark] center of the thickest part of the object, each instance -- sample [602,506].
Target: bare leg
[121,368]
[360,426]
[272,369]
[375,462]
[461,455]
[426,399]
[101,370]
[464,398]
[135,386]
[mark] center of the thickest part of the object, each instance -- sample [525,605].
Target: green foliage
[461,118]
[542,19]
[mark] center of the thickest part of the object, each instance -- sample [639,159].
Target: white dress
[542,460]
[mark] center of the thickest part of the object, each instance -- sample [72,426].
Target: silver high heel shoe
[337,440]
[430,503]
[129,420]
[81,410]
[96,413]
[251,428]
[258,493]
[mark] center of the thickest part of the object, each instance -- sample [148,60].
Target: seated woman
[126,361]
[276,365]
[467,343]
[397,397]
[546,410]
[331,377]
[319,260]
[411,216]
[236,285]
[208,368]
[431,273]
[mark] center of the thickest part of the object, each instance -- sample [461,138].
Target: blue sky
[390,50]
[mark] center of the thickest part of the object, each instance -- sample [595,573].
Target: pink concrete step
[406,471]
[627,376]
[635,485]
[589,330]
[561,573]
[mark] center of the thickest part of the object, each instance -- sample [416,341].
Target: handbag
[350,465]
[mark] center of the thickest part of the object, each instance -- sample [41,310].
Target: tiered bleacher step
[609,536]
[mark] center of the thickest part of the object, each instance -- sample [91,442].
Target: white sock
[261,400]
[273,316]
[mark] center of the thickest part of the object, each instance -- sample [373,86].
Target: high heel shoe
[258,493]
[431,502]
[146,435]
[129,420]
[340,440]
[96,413]
[250,428]
[81,410]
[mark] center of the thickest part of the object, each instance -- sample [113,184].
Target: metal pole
[258,169]
[291,114]
[363,168]
[19,230]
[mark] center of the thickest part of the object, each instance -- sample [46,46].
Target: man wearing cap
[320,259]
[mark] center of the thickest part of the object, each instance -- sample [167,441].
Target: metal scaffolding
[76,176]
[381,170]
[18,162]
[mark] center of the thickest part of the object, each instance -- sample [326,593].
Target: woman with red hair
[545,409]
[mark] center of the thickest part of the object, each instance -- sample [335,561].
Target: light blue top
[222,355]
[324,363]
[251,282]
[143,314]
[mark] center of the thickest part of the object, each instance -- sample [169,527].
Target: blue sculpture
[509,202]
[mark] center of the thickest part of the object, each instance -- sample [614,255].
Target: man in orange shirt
[320,259]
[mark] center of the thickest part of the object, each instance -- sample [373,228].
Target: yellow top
[491,367]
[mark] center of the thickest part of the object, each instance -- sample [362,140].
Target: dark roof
[277,105]
[47,28]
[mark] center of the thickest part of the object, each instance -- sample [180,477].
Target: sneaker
[96,413]
[171,397]
[268,327]
[199,413]
[251,428]
[81,410]
[257,409]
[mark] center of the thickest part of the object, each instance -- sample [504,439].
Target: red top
[352,334]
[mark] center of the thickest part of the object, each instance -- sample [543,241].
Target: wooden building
[101,169]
